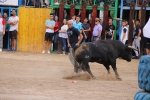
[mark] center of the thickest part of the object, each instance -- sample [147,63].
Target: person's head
[5,15]
[70,24]
[73,17]
[0,15]
[85,20]
[78,19]
[56,18]
[123,23]
[110,21]
[65,21]
[51,16]
[13,12]
[97,21]
[137,22]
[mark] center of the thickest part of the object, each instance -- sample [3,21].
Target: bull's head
[127,54]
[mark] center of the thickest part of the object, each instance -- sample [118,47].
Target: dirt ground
[34,76]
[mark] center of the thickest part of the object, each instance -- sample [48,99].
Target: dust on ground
[34,76]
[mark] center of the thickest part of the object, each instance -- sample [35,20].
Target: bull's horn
[132,48]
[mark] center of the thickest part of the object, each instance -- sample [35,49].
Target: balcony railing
[100,3]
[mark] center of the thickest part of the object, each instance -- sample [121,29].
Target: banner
[9,2]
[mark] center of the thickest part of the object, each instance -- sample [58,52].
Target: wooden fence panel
[32,28]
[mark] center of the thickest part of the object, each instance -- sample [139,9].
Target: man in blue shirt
[77,24]
[50,23]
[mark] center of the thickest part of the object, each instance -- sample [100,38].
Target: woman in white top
[63,35]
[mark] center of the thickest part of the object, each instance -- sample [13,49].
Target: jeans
[55,41]
[55,37]
[95,37]
[136,44]
[1,40]
[64,44]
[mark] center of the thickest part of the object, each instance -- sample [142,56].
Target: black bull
[103,52]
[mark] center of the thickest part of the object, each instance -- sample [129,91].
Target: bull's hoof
[94,78]
[118,78]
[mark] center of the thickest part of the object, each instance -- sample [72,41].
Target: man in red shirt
[2,31]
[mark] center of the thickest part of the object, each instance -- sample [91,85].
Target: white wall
[9,2]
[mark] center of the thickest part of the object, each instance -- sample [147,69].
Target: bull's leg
[75,67]
[115,70]
[89,71]
[107,67]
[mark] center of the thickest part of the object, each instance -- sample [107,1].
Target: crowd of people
[73,32]
[9,25]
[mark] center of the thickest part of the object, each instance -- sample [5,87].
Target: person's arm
[80,39]
[99,33]
[65,30]
[133,24]
[139,33]
[4,26]
[15,22]
[89,29]
[84,33]
[68,42]
[9,22]
[113,32]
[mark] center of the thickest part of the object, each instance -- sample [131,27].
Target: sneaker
[43,51]
[56,3]
[64,53]
[48,52]
[13,50]
[0,49]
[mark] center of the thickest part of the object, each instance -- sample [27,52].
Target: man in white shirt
[13,21]
[124,33]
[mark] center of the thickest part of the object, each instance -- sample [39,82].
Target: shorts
[147,43]
[13,34]
[49,36]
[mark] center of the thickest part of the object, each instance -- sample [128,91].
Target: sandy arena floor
[30,76]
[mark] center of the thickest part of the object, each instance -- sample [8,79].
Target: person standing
[50,23]
[110,29]
[5,38]
[63,35]
[13,22]
[124,33]
[56,32]
[77,24]
[97,31]
[86,30]
[137,38]
[73,35]
[146,34]
[2,31]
